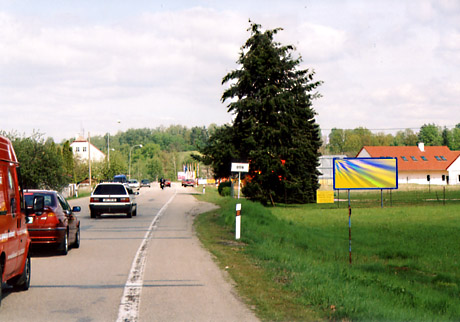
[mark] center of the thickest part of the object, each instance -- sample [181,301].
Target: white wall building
[84,150]
[326,167]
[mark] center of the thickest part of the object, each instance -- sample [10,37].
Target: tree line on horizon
[50,165]
[350,141]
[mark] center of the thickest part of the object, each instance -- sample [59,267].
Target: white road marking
[130,302]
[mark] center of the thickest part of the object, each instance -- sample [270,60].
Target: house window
[413,158]
[84,149]
[423,158]
[77,149]
[443,177]
[437,158]
[443,158]
[404,158]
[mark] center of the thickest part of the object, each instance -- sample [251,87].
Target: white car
[113,198]
[134,184]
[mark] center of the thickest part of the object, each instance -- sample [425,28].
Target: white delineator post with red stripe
[238,221]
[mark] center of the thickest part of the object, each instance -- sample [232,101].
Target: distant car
[188,183]
[120,178]
[134,184]
[145,183]
[167,183]
[56,224]
[113,198]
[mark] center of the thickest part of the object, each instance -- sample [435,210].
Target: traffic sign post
[239,167]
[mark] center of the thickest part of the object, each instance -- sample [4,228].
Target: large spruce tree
[274,126]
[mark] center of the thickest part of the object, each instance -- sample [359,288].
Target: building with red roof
[420,164]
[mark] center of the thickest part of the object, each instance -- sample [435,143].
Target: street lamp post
[130,150]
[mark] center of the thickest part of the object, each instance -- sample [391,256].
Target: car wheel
[135,212]
[23,282]
[129,214]
[76,244]
[93,214]
[64,247]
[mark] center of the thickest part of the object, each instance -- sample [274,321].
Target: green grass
[80,195]
[405,260]
[407,195]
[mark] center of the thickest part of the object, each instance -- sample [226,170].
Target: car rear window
[110,189]
[49,200]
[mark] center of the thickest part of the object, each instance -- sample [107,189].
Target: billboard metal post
[381,198]
[349,226]
[364,174]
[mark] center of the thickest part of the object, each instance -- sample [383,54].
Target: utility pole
[89,158]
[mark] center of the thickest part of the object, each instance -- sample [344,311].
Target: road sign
[240,167]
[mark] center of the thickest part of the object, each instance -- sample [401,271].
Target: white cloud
[384,64]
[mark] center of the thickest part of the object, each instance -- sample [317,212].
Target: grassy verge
[262,293]
[81,195]
[292,262]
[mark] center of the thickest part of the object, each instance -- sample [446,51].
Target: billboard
[366,173]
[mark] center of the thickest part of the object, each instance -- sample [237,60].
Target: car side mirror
[39,204]
[76,209]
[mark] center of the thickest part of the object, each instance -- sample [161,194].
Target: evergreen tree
[219,151]
[274,126]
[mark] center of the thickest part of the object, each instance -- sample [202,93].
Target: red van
[14,237]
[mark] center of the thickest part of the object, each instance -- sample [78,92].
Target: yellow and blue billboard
[365,173]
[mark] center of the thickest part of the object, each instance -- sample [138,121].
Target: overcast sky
[73,66]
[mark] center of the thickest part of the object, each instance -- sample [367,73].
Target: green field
[292,262]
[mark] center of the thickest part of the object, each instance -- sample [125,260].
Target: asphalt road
[147,268]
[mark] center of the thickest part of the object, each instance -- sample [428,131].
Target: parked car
[134,184]
[14,237]
[55,224]
[113,198]
[167,183]
[188,183]
[145,183]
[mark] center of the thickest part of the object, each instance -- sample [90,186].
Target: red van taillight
[124,199]
[92,199]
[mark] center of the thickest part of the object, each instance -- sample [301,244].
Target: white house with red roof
[420,164]
[85,150]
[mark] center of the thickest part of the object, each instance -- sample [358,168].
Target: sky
[91,66]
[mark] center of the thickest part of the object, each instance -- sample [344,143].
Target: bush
[226,192]
[222,185]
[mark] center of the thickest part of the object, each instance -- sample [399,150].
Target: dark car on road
[113,198]
[56,224]
[188,183]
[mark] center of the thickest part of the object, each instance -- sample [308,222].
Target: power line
[387,129]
